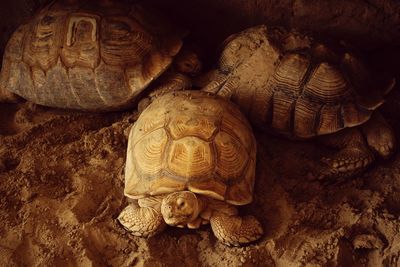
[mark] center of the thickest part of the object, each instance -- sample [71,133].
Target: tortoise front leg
[235,230]
[142,221]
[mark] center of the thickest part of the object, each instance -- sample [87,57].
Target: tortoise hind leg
[379,135]
[353,157]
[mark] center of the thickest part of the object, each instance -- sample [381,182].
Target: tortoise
[94,56]
[291,84]
[191,159]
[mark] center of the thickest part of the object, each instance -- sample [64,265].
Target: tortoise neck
[202,202]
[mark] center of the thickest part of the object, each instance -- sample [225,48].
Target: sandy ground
[61,189]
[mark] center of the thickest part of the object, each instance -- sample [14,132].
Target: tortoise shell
[195,141]
[294,85]
[88,55]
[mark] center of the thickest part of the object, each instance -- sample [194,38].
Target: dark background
[369,23]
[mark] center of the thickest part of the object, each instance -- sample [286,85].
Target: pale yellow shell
[191,141]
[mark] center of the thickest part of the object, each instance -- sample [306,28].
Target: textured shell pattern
[87,55]
[293,85]
[193,141]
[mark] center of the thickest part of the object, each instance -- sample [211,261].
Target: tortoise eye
[180,202]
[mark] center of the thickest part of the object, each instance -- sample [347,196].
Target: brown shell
[88,55]
[294,85]
[191,141]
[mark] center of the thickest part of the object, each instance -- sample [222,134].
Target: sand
[61,189]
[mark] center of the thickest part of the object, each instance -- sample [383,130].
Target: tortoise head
[180,208]
[188,62]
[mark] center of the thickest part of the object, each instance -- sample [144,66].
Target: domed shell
[193,141]
[295,85]
[88,55]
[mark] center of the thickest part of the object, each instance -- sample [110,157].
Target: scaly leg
[352,158]
[142,221]
[235,230]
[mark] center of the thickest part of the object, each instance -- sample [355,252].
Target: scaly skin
[142,221]
[358,148]
[235,230]
[186,209]
[353,155]
[346,163]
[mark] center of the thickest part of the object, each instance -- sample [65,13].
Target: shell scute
[331,120]
[83,83]
[124,41]
[327,85]
[305,117]
[353,115]
[291,72]
[149,124]
[262,105]
[234,123]
[81,46]
[241,192]
[200,126]
[112,77]
[149,153]
[232,156]
[283,104]
[191,157]
[43,41]
[56,76]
